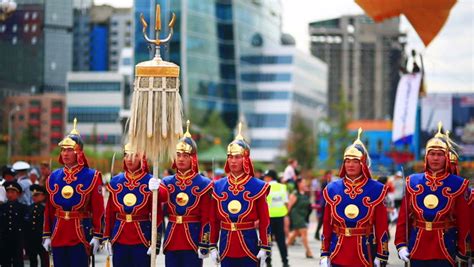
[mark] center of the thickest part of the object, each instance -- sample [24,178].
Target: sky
[449,59]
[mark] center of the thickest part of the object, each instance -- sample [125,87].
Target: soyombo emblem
[129,199]
[182,199]
[431,201]
[67,192]
[234,206]
[351,211]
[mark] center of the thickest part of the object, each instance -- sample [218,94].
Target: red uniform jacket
[75,207]
[129,208]
[355,222]
[438,224]
[239,208]
[188,201]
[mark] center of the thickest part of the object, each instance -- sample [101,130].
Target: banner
[404,114]
[436,108]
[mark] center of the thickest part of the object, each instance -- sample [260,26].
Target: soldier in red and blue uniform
[74,210]
[355,227]
[188,198]
[239,210]
[433,212]
[128,213]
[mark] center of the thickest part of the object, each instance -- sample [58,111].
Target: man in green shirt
[277,201]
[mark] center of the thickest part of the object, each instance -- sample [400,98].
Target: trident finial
[74,127]
[187,134]
[158,41]
[239,133]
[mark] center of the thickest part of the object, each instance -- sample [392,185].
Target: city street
[296,253]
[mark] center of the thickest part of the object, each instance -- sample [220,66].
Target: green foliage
[339,137]
[301,144]
[211,130]
[30,144]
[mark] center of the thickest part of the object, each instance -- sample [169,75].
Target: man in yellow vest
[277,201]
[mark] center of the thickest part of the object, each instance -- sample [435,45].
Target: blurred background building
[363,61]
[95,99]
[37,123]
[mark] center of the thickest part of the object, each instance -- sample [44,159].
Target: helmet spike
[239,134]
[74,127]
[187,134]
[440,128]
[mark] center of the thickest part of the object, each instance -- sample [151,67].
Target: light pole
[7,7]
[10,118]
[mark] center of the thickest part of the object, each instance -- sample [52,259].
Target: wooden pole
[154,214]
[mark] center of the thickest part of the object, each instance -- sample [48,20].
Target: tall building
[278,84]
[39,121]
[363,59]
[100,34]
[95,99]
[36,45]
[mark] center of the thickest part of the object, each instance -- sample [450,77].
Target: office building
[363,60]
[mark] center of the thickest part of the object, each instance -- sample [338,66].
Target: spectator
[398,184]
[320,203]
[34,229]
[34,176]
[45,171]
[12,227]
[299,207]
[8,175]
[21,168]
[277,201]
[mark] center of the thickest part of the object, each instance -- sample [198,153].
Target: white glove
[215,256]
[324,262]
[95,244]
[108,248]
[202,256]
[262,255]
[404,255]
[377,262]
[47,244]
[154,183]
[148,252]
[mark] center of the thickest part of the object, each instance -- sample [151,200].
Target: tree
[339,137]
[301,144]
[212,130]
[30,144]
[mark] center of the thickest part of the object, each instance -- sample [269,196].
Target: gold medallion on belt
[67,192]
[234,206]
[351,211]
[129,199]
[431,201]
[182,199]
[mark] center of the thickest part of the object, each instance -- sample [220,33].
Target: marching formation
[228,220]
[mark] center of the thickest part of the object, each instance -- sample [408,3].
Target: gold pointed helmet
[438,142]
[357,150]
[238,146]
[186,144]
[73,139]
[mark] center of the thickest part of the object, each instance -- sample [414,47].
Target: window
[94,114]
[260,60]
[266,143]
[266,77]
[35,103]
[267,120]
[94,86]
[26,28]
[265,95]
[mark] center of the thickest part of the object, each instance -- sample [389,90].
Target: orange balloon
[426,16]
